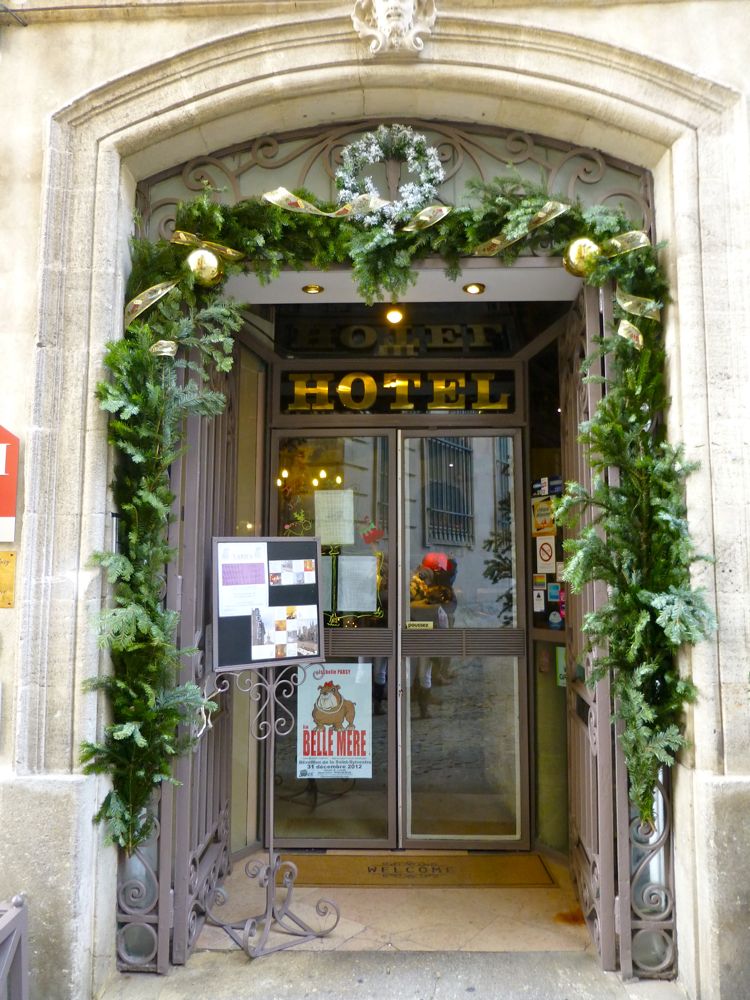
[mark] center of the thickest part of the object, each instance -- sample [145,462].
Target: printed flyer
[334,722]
[266,601]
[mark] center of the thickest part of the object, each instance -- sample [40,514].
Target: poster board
[266,602]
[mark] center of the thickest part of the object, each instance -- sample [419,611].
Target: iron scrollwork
[271,689]
[651,895]
[308,159]
[138,905]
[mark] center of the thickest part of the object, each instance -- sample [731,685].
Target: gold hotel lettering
[359,391]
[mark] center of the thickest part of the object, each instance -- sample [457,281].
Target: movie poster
[334,722]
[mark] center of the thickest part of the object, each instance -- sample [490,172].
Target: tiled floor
[424,919]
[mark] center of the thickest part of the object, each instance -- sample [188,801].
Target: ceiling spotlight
[394,315]
[474,288]
[312,289]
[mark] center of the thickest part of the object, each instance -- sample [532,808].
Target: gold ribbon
[636,305]
[164,348]
[282,198]
[184,239]
[426,218]
[549,211]
[362,205]
[636,239]
[630,332]
[142,302]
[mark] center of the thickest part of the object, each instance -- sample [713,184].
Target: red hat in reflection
[435,560]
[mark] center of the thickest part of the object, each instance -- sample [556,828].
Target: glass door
[336,773]
[465,763]
[414,731]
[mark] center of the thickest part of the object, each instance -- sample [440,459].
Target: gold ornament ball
[206,267]
[580,256]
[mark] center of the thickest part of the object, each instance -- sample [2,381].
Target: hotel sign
[397,392]
[301,336]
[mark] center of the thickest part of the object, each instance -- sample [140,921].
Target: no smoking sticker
[545,555]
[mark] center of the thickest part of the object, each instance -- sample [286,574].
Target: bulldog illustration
[332,709]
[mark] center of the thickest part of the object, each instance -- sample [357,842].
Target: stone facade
[98,95]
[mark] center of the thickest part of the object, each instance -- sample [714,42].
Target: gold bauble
[206,267]
[580,256]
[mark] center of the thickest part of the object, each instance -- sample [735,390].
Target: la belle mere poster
[334,722]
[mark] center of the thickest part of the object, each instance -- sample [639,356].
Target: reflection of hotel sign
[302,338]
[395,392]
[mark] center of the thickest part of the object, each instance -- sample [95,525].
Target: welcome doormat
[423,870]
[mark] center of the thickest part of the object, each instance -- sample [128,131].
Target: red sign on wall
[8,484]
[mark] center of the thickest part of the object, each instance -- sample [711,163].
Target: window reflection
[460,532]
[337,489]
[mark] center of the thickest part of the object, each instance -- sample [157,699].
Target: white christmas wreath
[389,142]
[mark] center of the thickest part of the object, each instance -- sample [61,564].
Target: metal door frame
[514,643]
[341,642]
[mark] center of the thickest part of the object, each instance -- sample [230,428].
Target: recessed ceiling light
[394,315]
[474,288]
[312,289]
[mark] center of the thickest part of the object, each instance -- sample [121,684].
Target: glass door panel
[460,531]
[463,768]
[465,775]
[338,489]
[335,772]
[313,804]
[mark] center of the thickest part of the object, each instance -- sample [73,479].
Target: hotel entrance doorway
[425,641]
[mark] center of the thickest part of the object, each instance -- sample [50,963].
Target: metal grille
[592,835]
[465,642]
[351,642]
[164,886]
[449,492]
[632,918]
[201,817]
[14,950]
[308,159]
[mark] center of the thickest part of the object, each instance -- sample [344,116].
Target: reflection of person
[379,684]
[432,599]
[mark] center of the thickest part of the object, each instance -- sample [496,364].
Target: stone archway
[298,73]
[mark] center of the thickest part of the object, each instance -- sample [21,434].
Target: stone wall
[98,96]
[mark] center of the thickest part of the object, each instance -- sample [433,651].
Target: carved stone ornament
[394,25]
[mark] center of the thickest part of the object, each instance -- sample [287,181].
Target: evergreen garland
[652,609]
[148,401]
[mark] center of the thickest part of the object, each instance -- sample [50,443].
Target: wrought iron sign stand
[265,686]
[268,612]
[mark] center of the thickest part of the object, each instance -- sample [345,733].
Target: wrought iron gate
[590,753]
[201,799]
[623,870]
[163,886]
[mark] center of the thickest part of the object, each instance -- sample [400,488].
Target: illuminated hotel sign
[306,338]
[397,392]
